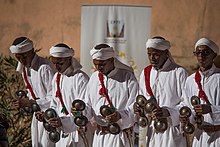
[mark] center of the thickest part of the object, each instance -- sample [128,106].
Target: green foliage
[19,132]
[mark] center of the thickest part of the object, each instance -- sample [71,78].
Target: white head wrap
[209,43]
[102,54]
[158,44]
[65,52]
[22,47]
[61,51]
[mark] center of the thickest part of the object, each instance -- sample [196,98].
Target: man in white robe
[37,73]
[208,77]
[115,85]
[166,82]
[72,86]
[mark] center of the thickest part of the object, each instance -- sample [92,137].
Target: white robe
[72,86]
[122,89]
[210,81]
[40,75]
[167,85]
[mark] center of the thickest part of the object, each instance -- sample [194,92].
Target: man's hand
[39,116]
[137,109]
[161,113]
[114,117]
[184,119]
[24,102]
[55,122]
[75,112]
[202,109]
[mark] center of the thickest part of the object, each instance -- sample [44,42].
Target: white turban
[61,51]
[65,52]
[102,54]
[22,47]
[158,44]
[209,43]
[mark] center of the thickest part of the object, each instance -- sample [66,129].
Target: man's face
[25,58]
[157,57]
[104,66]
[205,56]
[61,63]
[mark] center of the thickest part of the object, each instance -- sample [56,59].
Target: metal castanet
[199,117]
[35,107]
[185,111]
[142,120]
[105,110]
[151,105]
[24,110]
[54,135]
[141,100]
[50,113]
[47,126]
[79,105]
[80,120]
[113,127]
[21,93]
[195,100]
[187,127]
[160,124]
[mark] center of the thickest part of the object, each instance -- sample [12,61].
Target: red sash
[28,85]
[201,92]
[103,90]
[147,82]
[59,95]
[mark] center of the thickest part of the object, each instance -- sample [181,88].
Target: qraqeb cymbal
[105,110]
[141,100]
[195,100]
[79,105]
[50,113]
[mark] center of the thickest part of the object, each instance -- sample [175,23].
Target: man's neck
[109,71]
[203,69]
[31,60]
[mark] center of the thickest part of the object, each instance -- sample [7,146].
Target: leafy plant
[19,133]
